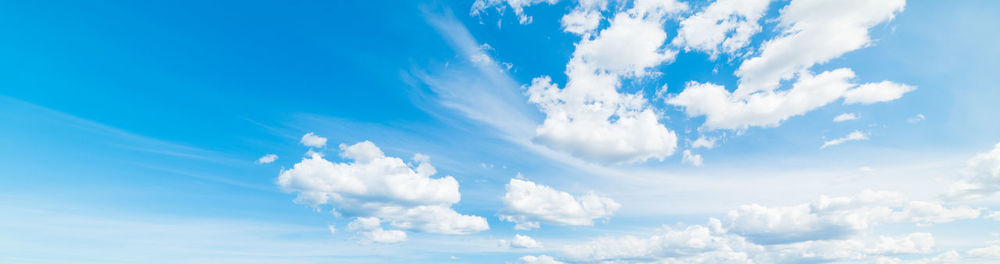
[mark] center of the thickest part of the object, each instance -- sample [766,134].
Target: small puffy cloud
[916,119]
[581,21]
[985,181]
[527,204]
[870,93]
[725,26]
[267,159]
[313,141]
[522,241]
[703,142]
[693,159]
[371,230]
[990,252]
[333,229]
[375,186]
[845,117]
[540,259]
[853,136]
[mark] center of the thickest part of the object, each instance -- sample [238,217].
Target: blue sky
[494,131]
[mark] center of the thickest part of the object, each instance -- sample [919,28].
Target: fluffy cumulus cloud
[589,117]
[703,142]
[725,26]
[693,159]
[845,117]
[374,186]
[312,140]
[527,204]
[267,159]
[853,136]
[581,21]
[521,241]
[876,92]
[812,32]
[985,178]
[826,230]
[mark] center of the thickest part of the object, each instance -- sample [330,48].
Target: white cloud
[371,230]
[617,129]
[313,141]
[629,46]
[703,142]
[830,229]
[812,32]
[541,259]
[581,21]
[267,159]
[693,159]
[694,242]
[333,229]
[708,244]
[876,92]
[845,117]
[985,180]
[517,5]
[725,110]
[992,252]
[847,249]
[834,217]
[853,136]
[528,204]
[915,243]
[386,188]
[522,241]
[725,26]
[589,118]
[915,119]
